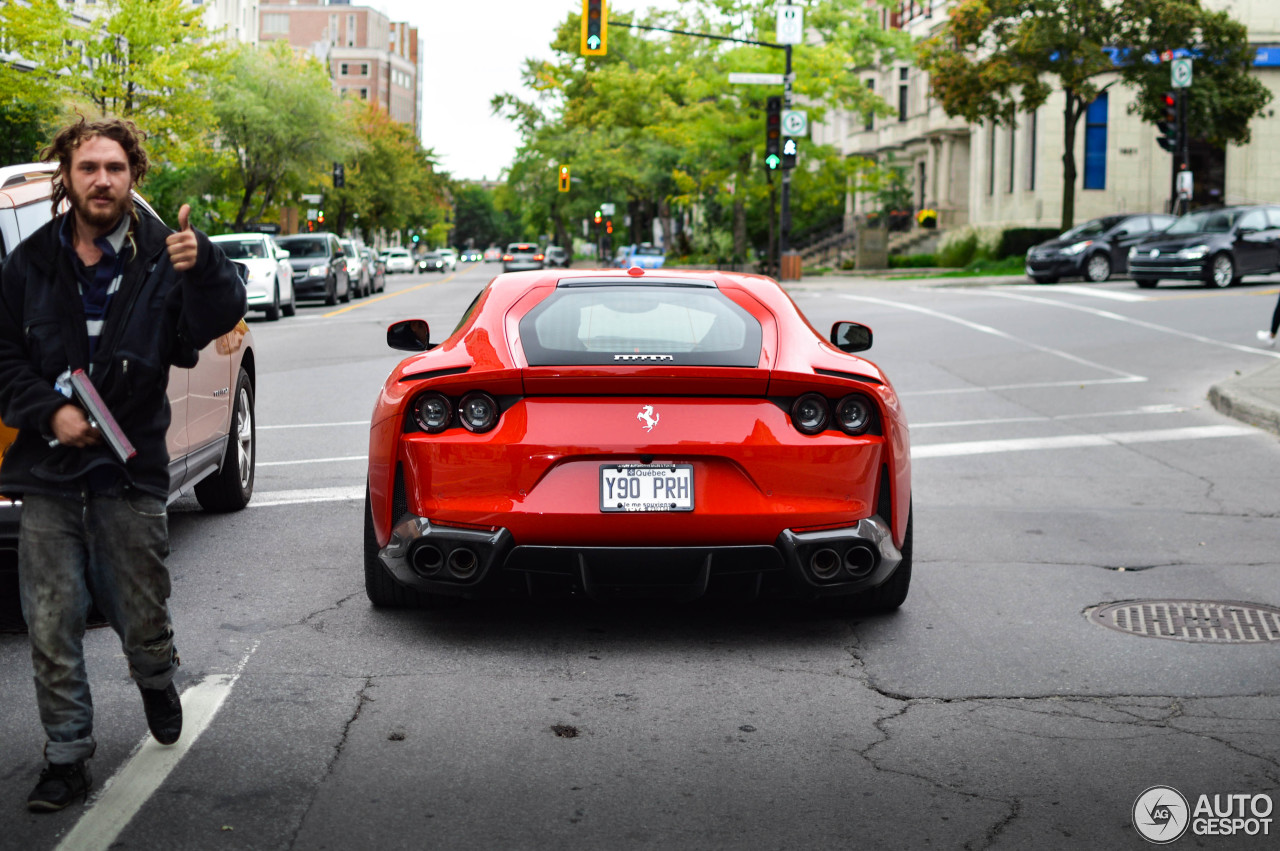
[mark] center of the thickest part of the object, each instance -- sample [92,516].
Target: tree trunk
[664,221]
[245,201]
[1070,117]
[740,227]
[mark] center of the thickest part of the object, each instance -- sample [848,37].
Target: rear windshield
[242,249]
[649,250]
[306,247]
[640,324]
[519,246]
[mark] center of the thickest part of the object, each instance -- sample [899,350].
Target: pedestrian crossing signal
[564,178]
[595,28]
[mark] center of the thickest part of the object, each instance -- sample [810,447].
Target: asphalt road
[1065,457]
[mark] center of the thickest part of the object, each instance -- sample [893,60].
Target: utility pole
[784,219]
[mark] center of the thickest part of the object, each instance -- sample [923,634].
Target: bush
[912,261]
[958,248]
[1016,241]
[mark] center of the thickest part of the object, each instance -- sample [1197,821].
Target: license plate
[646,487]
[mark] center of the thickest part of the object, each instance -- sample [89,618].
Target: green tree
[33,39]
[280,124]
[996,57]
[150,61]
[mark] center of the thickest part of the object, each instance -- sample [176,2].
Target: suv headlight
[318,271]
[1195,252]
[1077,248]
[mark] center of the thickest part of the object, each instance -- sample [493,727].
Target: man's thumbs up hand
[182,243]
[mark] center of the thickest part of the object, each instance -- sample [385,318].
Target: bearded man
[103,289]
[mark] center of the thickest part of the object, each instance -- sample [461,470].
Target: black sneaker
[164,713]
[60,784]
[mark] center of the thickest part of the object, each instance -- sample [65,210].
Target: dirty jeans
[109,549]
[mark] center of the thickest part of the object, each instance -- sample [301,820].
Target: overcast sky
[465,65]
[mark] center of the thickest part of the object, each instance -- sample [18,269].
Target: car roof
[222,237]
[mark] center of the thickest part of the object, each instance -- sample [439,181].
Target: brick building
[369,55]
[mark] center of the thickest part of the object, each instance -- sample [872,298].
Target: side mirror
[284,255]
[410,335]
[850,337]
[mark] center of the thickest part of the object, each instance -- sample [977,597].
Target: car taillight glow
[810,413]
[433,412]
[478,411]
[853,414]
[538,257]
[507,258]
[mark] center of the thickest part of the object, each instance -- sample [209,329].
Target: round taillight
[810,413]
[433,412]
[478,411]
[853,414]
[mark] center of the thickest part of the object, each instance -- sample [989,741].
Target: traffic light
[789,150]
[1168,123]
[416,237]
[339,176]
[564,178]
[772,132]
[595,28]
[320,218]
[599,218]
[608,226]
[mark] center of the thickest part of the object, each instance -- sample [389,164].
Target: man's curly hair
[71,137]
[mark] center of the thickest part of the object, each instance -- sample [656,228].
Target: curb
[1237,398]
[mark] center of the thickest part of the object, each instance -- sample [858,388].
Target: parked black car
[1216,247]
[319,266]
[1095,250]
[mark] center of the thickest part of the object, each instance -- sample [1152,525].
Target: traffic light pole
[784,218]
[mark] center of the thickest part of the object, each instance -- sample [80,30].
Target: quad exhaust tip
[426,559]
[463,562]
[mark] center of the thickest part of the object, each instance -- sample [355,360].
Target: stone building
[1012,176]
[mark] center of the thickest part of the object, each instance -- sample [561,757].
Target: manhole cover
[1210,621]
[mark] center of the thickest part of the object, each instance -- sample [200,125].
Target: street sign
[1185,182]
[608,208]
[790,25]
[1180,72]
[795,122]
[311,199]
[756,79]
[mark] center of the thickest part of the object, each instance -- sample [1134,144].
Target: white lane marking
[1077,441]
[138,779]
[1114,295]
[987,329]
[1107,314]
[305,497]
[314,425]
[313,461]
[1146,409]
[1033,385]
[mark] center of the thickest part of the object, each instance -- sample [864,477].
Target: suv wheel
[273,309]
[1222,271]
[331,292]
[231,487]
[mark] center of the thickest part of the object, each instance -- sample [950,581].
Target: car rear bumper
[479,563]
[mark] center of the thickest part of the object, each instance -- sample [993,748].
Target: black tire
[273,309]
[1222,272]
[231,488]
[346,296]
[1146,283]
[1097,268]
[1045,279]
[331,294]
[291,308]
[382,589]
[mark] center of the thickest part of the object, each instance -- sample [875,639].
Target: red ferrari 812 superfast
[637,433]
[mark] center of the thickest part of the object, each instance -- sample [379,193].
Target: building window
[343,69]
[275,24]
[364,94]
[1013,137]
[351,30]
[364,69]
[991,159]
[333,29]
[871,116]
[1095,144]
[1031,149]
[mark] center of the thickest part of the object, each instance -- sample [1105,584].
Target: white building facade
[1013,176]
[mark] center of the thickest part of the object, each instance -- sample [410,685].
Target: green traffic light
[772,161]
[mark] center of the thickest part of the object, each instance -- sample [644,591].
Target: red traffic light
[608,226]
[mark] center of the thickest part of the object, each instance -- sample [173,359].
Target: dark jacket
[157,319]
